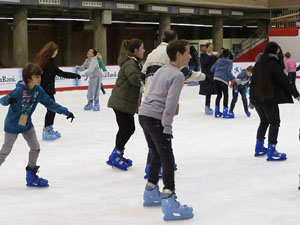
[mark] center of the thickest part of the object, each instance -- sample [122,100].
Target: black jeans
[49,118]
[126,128]
[242,90]
[221,88]
[269,117]
[160,145]
[292,77]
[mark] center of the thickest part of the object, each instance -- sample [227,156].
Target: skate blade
[114,166]
[177,216]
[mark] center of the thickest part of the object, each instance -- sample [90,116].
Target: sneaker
[48,135]
[172,209]
[32,180]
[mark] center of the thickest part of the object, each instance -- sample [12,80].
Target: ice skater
[124,99]
[45,59]
[240,85]
[222,75]
[156,117]
[91,68]
[270,87]
[22,102]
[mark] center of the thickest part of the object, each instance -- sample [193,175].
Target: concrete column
[4,44]
[20,37]
[66,46]
[100,37]
[217,33]
[164,24]
[263,28]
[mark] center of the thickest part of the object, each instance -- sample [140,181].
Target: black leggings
[221,88]
[269,117]
[49,118]
[126,128]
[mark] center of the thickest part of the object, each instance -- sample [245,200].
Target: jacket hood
[224,61]
[122,59]
[21,84]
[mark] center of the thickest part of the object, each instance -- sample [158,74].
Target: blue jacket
[222,70]
[26,103]
[243,79]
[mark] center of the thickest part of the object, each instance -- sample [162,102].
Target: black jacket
[50,70]
[282,89]
[207,86]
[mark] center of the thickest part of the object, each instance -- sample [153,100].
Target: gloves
[11,100]
[251,106]
[231,83]
[78,77]
[71,116]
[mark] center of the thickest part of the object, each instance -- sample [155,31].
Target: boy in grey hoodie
[156,116]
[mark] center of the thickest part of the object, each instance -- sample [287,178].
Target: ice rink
[217,175]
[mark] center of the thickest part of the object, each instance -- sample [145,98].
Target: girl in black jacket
[45,60]
[270,87]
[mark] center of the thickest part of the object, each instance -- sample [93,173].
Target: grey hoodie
[163,96]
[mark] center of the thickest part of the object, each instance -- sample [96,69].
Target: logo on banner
[8,80]
[114,74]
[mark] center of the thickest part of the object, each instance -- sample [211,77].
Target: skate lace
[178,203]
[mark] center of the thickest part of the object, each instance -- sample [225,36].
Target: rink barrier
[10,76]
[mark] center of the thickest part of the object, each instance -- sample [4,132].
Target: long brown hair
[44,56]
[264,84]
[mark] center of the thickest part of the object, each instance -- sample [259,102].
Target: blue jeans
[242,90]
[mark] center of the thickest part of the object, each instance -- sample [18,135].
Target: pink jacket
[290,66]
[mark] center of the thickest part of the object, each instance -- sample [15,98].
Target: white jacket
[159,57]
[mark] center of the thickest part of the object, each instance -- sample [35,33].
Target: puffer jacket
[125,94]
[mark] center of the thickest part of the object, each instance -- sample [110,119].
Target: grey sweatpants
[94,88]
[32,141]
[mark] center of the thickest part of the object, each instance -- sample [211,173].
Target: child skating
[22,102]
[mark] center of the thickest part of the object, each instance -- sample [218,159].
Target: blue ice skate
[226,114]
[208,111]
[273,155]
[147,172]
[152,197]
[96,107]
[248,113]
[116,160]
[173,210]
[88,106]
[33,180]
[299,183]
[260,150]
[217,112]
[48,135]
[52,131]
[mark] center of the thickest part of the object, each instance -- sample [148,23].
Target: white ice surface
[217,172]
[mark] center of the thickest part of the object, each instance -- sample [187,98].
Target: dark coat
[50,70]
[282,89]
[125,95]
[207,87]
